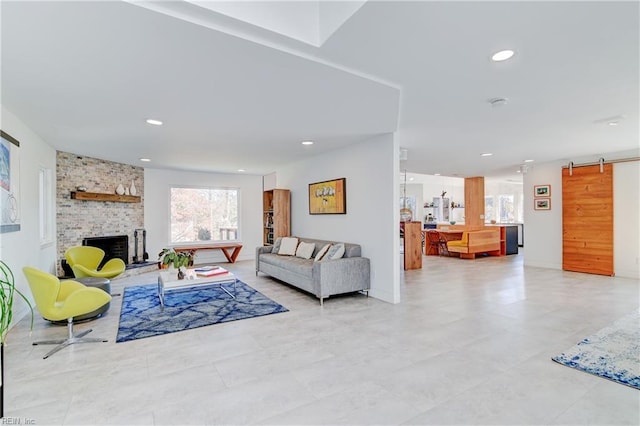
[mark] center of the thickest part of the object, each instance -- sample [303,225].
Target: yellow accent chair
[63,300]
[84,261]
[459,243]
[459,246]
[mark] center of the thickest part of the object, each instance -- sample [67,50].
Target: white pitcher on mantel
[133,190]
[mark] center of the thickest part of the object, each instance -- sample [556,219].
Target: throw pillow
[288,246]
[305,250]
[335,252]
[322,252]
[276,245]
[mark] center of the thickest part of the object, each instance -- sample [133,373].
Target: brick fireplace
[78,220]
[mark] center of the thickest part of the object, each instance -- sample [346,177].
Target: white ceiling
[86,75]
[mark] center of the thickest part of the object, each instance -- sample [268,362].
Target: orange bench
[225,247]
[473,242]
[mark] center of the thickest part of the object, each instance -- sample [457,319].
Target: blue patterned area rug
[612,353]
[142,315]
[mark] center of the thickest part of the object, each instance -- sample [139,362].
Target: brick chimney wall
[77,219]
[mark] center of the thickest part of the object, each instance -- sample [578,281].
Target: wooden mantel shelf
[96,196]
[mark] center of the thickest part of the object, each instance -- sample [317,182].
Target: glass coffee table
[168,281]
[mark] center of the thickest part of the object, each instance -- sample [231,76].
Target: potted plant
[169,257]
[7,291]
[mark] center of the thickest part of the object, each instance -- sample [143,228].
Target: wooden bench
[225,247]
[473,242]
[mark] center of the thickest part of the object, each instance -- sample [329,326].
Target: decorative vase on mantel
[133,190]
[120,189]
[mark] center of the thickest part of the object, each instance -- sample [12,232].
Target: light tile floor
[471,343]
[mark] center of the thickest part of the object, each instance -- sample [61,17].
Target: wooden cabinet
[508,238]
[276,217]
[412,245]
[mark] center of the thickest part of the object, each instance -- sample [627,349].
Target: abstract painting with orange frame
[328,197]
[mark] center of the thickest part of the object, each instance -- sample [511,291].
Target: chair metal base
[70,340]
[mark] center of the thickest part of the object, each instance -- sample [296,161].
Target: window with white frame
[506,209]
[45,182]
[489,209]
[204,214]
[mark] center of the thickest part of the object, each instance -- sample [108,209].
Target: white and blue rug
[612,353]
[142,315]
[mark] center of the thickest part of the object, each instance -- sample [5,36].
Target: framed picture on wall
[9,183]
[542,190]
[328,197]
[542,204]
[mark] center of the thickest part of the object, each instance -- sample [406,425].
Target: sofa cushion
[305,250]
[335,252]
[288,246]
[322,252]
[276,245]
[293,264]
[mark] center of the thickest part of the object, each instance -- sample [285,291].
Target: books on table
[210,272]
[206,268]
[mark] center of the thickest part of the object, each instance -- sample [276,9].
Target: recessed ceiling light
[436,174]
[410,179]
[154,122]
[518,171]
[241,170]
[613,123]
[486,154]
[528,161]
[502,55]
[307,142]
[146,160]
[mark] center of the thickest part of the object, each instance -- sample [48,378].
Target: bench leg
[467,255]
[235,253]
[231,258]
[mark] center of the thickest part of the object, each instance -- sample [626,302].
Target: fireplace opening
[113,246]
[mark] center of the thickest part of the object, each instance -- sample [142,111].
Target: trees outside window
[489,209]
[204,214]
[507,209]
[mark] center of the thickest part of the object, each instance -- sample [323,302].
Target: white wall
[22,248]
[371,172]
[543,229]
[269,182]
[626,219]
[156,208]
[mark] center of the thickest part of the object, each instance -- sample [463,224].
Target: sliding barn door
[587,220]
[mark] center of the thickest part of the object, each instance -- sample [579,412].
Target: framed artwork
[328,197]
[542,190]
[9,183]
[542,204]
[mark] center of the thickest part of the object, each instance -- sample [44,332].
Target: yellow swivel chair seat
[64,300]
[84,261]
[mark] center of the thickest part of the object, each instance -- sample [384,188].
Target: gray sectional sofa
[322,278]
